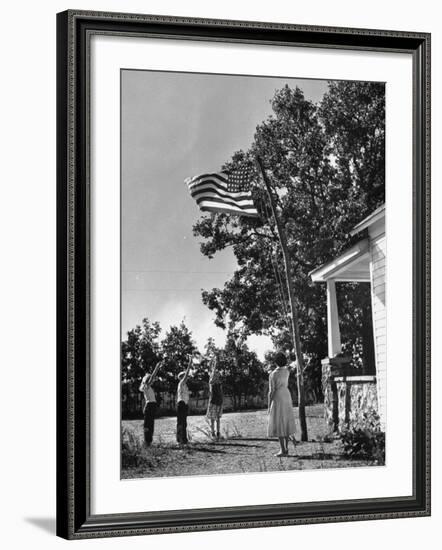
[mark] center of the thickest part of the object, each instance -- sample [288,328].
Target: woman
[215,406]
[150,404]
[280,408]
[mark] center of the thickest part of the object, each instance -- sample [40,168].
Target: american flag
[227,192]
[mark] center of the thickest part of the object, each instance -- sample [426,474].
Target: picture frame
[75,519]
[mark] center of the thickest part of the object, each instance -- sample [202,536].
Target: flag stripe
[209,189]
[220,176]
[220,209]
[214,203]
[213,181]
[249,204]
[237,195]
[226,208]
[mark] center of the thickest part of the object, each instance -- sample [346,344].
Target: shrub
[365,439]
[131,449]
[134,454]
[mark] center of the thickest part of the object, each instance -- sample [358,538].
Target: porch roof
[352,265]
[370,220]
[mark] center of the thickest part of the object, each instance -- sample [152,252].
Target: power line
[175,271]
[163,289]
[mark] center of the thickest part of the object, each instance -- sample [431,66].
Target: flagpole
[294,311]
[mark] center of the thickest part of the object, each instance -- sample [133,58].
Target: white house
[363,262]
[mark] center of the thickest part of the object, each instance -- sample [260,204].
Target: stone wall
[356,396]
[331,412]
[347,394]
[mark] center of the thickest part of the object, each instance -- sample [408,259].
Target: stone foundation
[356,396]
[347,394]
[331,411]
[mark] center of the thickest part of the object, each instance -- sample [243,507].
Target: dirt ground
[243,447]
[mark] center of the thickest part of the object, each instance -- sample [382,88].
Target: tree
[242,372]
[140,351]
[353,115]
[175,349]
[324,183]
[203,370]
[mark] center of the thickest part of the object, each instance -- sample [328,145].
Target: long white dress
[281,415]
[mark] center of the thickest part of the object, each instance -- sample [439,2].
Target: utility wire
[278,276]
[175,271]
[163,289]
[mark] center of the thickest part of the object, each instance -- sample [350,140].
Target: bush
[134,454]
[365,439]
[131,449]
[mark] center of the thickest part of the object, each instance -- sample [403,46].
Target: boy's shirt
[182,392]
[149,394]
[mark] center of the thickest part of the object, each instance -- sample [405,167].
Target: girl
[215,406]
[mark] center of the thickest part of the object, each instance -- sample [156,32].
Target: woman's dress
[281,415]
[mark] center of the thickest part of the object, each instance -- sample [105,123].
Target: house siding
[377,268]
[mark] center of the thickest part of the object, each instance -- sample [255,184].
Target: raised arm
[214,367]
[293,365]
[271,390]
[186,373]
[215,364]
[155,372]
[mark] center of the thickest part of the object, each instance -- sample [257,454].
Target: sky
[175,125]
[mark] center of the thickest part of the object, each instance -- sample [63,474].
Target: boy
[150,403]
[182,403]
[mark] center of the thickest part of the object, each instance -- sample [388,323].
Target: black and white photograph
[222,257]
[253,288]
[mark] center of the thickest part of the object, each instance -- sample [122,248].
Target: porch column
[334,335]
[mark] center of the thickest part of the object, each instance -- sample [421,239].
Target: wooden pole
[294,311]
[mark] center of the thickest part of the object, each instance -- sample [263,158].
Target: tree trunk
[294,312]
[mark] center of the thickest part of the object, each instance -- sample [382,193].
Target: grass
[243,447]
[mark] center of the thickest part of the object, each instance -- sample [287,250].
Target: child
[150,403]
[215,406]
[182,404]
